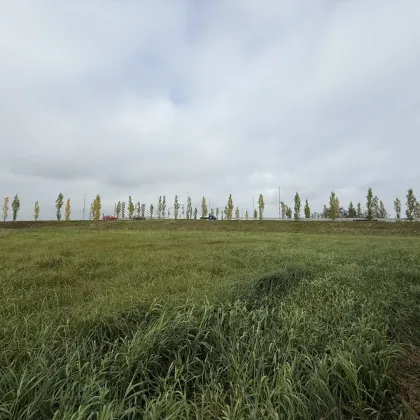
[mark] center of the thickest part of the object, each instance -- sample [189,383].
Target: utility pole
[84,205]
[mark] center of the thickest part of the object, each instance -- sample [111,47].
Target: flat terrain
[204,319]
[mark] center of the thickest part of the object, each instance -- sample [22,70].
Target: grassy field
[209,320]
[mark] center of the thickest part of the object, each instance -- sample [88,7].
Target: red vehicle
[109,218]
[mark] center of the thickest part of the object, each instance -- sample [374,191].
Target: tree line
[374,209]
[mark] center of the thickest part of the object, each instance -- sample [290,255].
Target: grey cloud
[209,98]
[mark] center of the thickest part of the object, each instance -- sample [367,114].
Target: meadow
[209,320]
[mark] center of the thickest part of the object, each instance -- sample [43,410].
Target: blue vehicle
[209,217]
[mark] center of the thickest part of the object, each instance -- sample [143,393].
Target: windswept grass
[155,324]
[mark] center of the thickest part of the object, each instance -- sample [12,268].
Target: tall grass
[216,325]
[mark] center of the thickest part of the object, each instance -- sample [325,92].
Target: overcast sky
[149,98]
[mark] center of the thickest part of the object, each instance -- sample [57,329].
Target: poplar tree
[237,213]
[59,205]
[36,211]
[255,214]
[289,212]
[15,207]
[369,202]
[67,210]
[138,208]
[217,212]
[203,207]
[417,210]
[382,211]
[246,215]
[130,207]
[307,210]
[151,210]
[159,208]
[5,208]
[397,207]
[326,212]
[283,210]
[411,205]
[195,213]
[334,206]
[375,207]
[123,210]
[359,210]
[97,208]
[229,208]
[119,207]
[261,206]
[176,207]
[189,208]
[351,210]
[163,206]
[297,207]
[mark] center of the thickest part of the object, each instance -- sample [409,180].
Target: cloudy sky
[149,98]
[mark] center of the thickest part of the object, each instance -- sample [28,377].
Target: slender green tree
[375,207]
[97,207]
[203,207]
[151,210]
[189,208]
[326,212]
[15,207]
[159,207]
[307,210]
[369,204]
[163,206]
[5,208]
[411,205]
[417,210]
[261,206]
[351,210]
[67,210]
[283,210]
[383,214]
[176,207]
[297,207]
[359,210]
[119,207]
[246,215]
[36,211]
[195,213]
[138,208]
[289,212]
[397,207]
[237,213]
[217,212]
[59,205]
[334,206]
[255,214]
[123,207]
[229,212]
[130,207]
